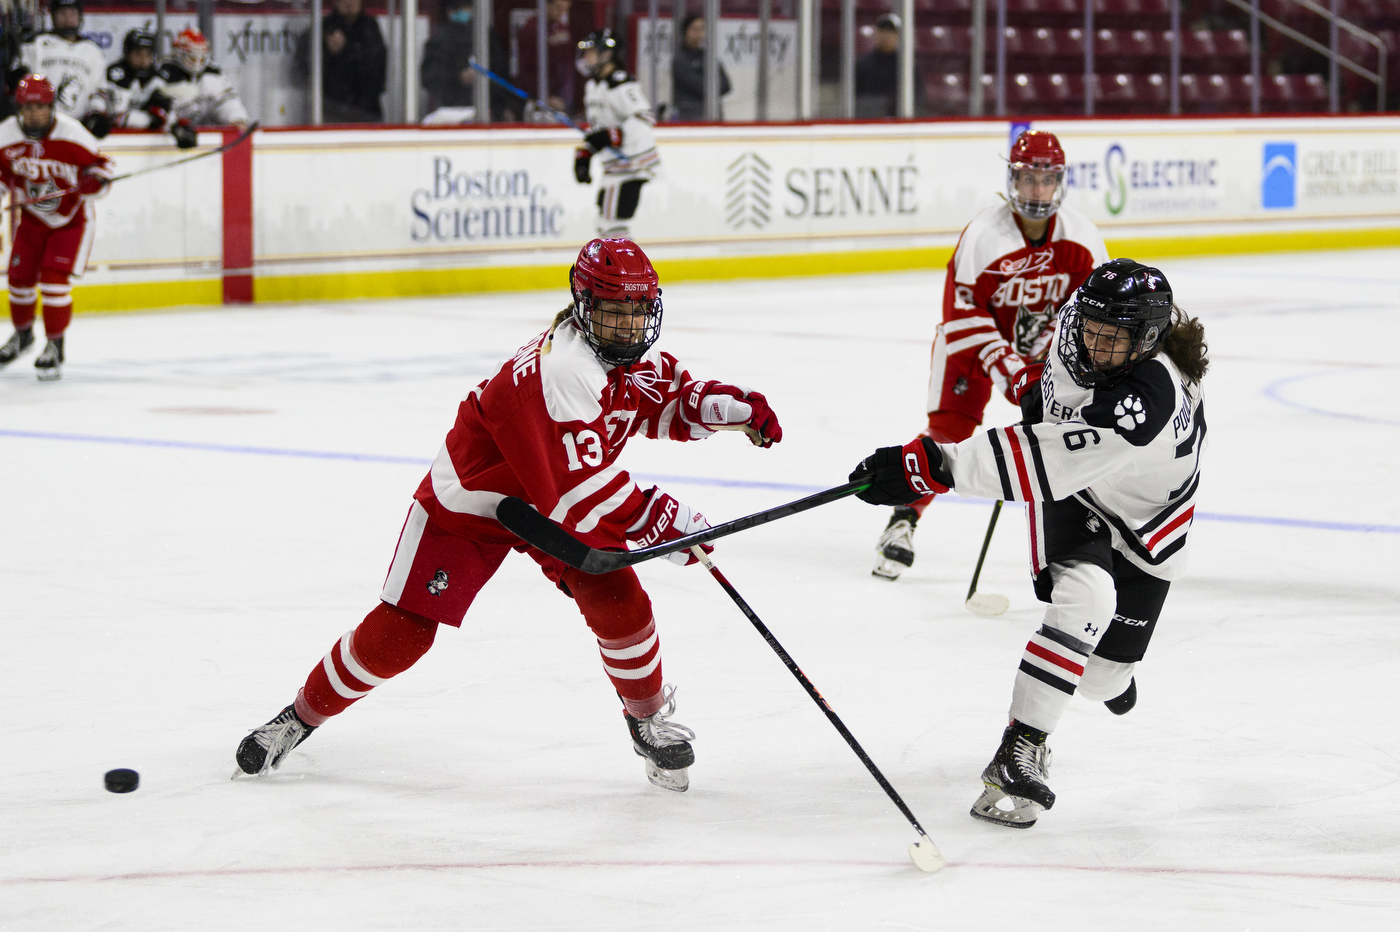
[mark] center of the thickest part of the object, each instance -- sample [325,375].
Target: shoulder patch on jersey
[1138,407]
[572,378]
[116,74]
[169,71]
[619,77]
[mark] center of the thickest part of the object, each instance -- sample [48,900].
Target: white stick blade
[988,604]
[926,856]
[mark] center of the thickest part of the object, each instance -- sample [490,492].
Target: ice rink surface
[207,500]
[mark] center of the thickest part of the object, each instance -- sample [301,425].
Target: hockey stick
[986,604]
[146,171]
[559,115]
[924,852]
[522,520]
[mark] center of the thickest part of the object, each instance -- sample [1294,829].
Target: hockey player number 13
[592,449]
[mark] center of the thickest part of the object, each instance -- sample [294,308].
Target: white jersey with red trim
[1003,292]
[1130,453]
[548,428]
[76,68]
[617,102]
[35,167]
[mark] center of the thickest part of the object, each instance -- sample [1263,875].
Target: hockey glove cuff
[583,158]
[711,406]
[601,139]
[1001,363]
[903,475]
[665,519]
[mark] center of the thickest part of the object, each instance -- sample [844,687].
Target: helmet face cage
[1146,323]
[1030,209]
[192,51]
[605,50]
[35,89]
[56,5]
[612,345]
[138,39]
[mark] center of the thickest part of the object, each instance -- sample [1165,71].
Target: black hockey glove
[185,135]
[583,158]
[99,124]
[600,139]
[903,475]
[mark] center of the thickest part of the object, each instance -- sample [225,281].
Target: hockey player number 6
[1077,439]
[592,453]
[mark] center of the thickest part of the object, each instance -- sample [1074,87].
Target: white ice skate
[895,550]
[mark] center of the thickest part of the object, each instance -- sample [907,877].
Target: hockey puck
[121,781]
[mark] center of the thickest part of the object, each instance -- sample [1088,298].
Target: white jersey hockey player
[621,127]
[73,64]
[1108,459]
[198,90]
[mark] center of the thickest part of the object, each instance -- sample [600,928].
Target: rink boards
[328,214]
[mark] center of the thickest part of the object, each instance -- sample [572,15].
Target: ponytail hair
[1185,345]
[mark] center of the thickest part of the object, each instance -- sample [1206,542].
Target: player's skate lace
[265,747]
[661,741]
[18,342]
[1033,760]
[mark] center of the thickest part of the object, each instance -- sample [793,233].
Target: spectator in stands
[559,57]
[447,73]
[877,74]
[353,63]
[688,73]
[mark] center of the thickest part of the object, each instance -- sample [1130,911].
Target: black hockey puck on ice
[121,781]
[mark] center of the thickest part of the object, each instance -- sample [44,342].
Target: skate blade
[676,780]
[1022,814]
[988,604]
[886,568]
[48,375]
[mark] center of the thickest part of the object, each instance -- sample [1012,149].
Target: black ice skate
[49,365]
[895,550]
[1124,703]
[664,744]
[265,748]
[1017,775]
[18,342]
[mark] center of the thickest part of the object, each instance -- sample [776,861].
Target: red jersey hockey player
[1014,266]
[41,153]
[548,428]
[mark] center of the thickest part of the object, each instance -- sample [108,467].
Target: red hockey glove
[583,158]
[1025,388]
[903,475]
[90,184]
[1001,363]
[601,139]
[718,406]
[665,519]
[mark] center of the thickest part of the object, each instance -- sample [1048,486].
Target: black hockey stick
[146,171]
[924,852]
[986,603]
[522,520]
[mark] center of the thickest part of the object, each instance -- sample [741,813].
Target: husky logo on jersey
[66,94]
[1129,413]
[439,582]
[1093,524]
[1034,330]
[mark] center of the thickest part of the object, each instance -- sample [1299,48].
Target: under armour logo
[438,583]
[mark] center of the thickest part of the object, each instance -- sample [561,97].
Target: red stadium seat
[943,40]
[1282,93]
[1062,93]
[1115,93]
[946,94]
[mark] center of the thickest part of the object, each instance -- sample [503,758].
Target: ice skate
[1124,703]
[1016,778]
[49,364]
[265,748]
[18,342]
[664,744]
[895,550]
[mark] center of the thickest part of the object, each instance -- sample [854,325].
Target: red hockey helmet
[192,51]
[1036,157]
[34,89]
[618,272]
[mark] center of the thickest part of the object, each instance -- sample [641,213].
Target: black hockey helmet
[138,39]
[1116,319]
[56,5]
[608,49]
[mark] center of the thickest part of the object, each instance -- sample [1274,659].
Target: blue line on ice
[800,488]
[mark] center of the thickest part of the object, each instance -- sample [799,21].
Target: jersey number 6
[1079,439]
[592,445]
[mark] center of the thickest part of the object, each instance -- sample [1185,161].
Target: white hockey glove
[711,406]
[665,519]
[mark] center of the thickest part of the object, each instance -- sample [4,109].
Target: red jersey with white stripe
[548,428]
[1131,453]
[35,167]
[1001,290]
